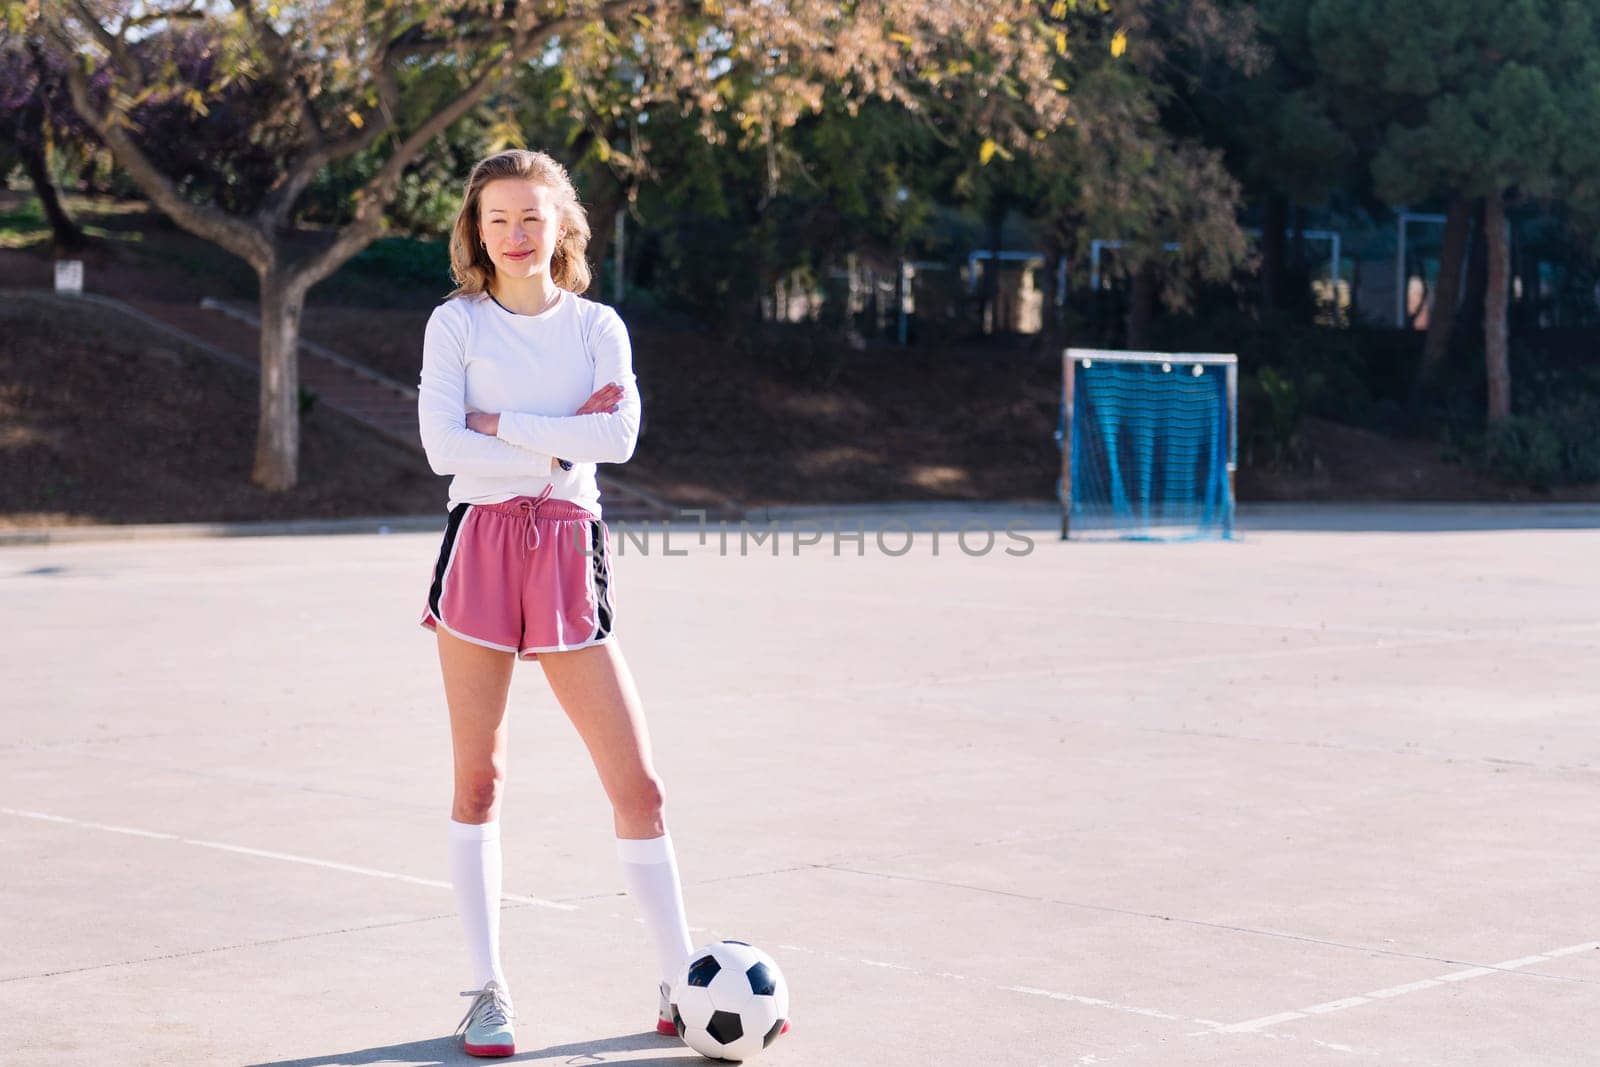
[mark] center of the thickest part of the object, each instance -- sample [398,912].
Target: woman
[518,370]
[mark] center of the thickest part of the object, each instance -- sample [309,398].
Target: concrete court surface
[1326,794]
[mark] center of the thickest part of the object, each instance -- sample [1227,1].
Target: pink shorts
[527,575]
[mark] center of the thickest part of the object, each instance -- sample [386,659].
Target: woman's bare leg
[476,682]
[596,691]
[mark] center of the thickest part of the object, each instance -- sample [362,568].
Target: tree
[389,77]
[724,224]
[1461,99]
[773,149]
[1275,130]
[1125,168]
[335,73]
[30,92]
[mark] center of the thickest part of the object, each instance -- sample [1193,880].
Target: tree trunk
[989,309]
[1496,355]
[1470,311]
[1447,293]
[33,145]
[1141,307]
[1297,224]
[603,213]
[64,233]
[1275,220]
[1053,327]
[278,436]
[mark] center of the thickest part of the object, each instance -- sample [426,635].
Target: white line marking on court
[1344,1048]
[1333,1005]
[1511,965]
[1573,950]
[1262,1023]
[392,876]
[226,948]
[1096,1002]
[1402,990]
[1165,917]
[285,857]
[1072,998]
[92,825]
[1252,1026]
[640,921]
[1211,1025]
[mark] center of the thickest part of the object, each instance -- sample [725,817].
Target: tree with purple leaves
[37,117]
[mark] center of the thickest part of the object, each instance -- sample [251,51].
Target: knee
[478,795]
[642,801]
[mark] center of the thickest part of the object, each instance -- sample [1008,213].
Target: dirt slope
[102,421]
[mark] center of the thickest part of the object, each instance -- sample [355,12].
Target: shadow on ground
[439,1051]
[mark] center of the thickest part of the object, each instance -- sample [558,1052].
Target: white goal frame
[1072,357]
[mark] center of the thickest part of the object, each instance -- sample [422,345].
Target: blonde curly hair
[470,266]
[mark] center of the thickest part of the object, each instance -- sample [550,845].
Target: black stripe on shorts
[602,579]
[451,528]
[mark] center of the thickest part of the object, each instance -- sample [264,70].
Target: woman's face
[520,225]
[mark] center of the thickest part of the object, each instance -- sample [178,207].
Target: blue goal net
[1149,445]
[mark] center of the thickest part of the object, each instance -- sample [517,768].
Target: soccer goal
[1149,444]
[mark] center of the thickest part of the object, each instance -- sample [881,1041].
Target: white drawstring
[530,509]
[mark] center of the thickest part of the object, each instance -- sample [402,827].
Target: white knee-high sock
[651,872]
[475,872]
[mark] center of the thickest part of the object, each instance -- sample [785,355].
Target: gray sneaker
[487,1024]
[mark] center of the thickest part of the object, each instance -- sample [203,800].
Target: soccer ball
[730,1001]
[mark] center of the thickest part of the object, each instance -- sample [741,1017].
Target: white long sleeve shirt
[534,371]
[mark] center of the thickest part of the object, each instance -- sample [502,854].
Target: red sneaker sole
[490,1050]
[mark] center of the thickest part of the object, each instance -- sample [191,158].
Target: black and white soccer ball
[730,1001]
